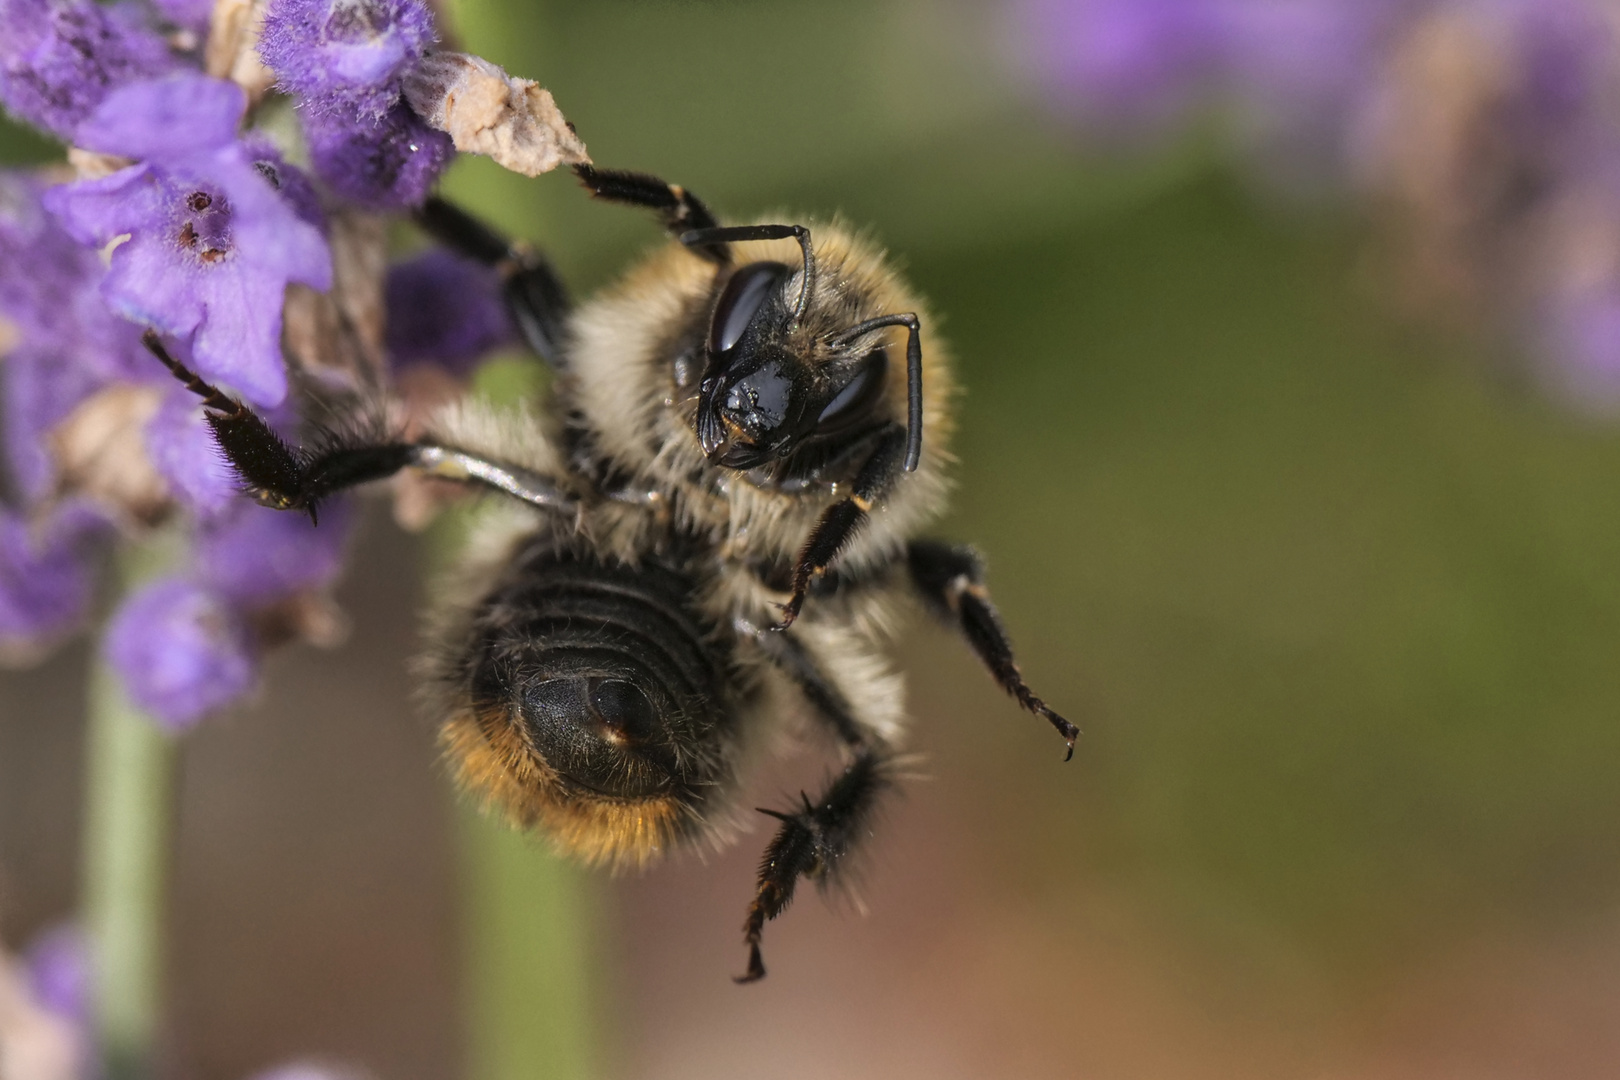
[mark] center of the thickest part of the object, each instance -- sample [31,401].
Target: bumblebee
[709,526]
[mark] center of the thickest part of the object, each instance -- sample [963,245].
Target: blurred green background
[1335,605]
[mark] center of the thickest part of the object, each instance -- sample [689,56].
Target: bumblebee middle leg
[816,839]
[951,581]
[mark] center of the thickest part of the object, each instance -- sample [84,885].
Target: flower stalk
[128,831]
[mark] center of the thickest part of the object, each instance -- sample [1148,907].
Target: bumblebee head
[760,397]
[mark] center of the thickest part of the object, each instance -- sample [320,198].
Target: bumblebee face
[759,399]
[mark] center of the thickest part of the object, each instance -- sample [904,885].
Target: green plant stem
[531,980]
[126,847]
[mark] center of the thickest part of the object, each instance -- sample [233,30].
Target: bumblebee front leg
[680,210]
[951,581]
[535,296]
[843,519]
[815,840]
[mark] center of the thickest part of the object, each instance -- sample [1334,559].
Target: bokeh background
[1332,593]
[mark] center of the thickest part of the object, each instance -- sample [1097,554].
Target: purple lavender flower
[1130,61]
[445,310]
[60,58]
[345,57]
[388,164]
[58,970]
[45,584]
[42,385]
[182,449]
[211,246]
[190,15]
[254,556]
[182,652]
[69,344]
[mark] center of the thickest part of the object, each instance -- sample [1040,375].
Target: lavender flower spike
[181,651]
[345,56]
[211,242]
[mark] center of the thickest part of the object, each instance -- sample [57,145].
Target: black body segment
[951,582]
[611,671]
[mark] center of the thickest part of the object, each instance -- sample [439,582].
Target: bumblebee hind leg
[287,478]
[816,839]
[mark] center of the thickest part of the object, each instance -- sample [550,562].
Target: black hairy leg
[951,581]
[680,210]
[816,839]
[843,519]
[284,478]
[535,296]
[813,842]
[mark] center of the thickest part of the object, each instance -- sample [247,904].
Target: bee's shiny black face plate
[759,401]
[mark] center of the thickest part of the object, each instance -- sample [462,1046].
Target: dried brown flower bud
[486,111]
[100,451]
[233,46]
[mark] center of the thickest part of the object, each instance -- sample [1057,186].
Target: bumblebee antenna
[914,402]
[722,234]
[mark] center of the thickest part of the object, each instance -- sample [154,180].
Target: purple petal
[165,118]
[41,386]
[446,310]
[45,585]
[59,58]
[191,14]
[390,165]
[345,56]
[182,449]
[182,652]
[256,555]
[211,248]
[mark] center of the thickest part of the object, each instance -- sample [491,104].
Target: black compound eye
[851,404]
[741,300]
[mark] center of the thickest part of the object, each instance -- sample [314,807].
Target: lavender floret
[445,310]
[182,652]
[254,556]
[45,582]
[181,447]
[212,245]
[391,164]
[345,57]
[60,58]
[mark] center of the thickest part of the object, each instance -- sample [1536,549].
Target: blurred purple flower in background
[444,309]
[186,217]
[1485,135]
